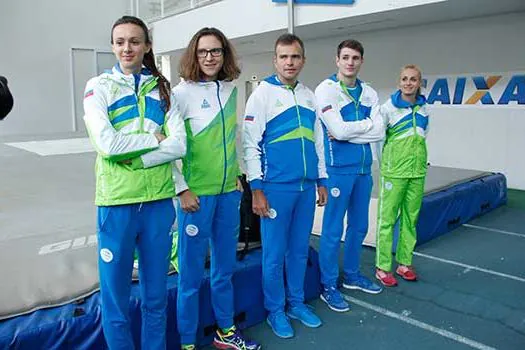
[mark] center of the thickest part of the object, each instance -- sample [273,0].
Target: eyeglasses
[215,52]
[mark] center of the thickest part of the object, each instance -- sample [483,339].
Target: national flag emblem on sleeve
[249,118]
[88,93]
[326,108]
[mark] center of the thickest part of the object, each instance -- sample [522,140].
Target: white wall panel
[466,137]
[36,38]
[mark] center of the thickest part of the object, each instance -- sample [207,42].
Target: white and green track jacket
[404,153]
[122,113]
[209,110]
[283,138]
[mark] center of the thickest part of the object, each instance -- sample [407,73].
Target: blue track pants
[285,240]
[347,194]
[121,229]
[215,224]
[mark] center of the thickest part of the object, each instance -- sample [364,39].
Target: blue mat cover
[77,325]
[447,209]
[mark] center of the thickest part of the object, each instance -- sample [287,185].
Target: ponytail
[162,82]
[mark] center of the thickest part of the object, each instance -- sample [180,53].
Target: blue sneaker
[362,283]
[303,313]
[280,324]
[234,340]
[333,298]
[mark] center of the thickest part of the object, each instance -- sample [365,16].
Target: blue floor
[471,294]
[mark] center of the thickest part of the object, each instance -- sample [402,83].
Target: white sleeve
[174,146]
[178,178]
[108,142]
[377,131]
[383,113]
[319,146]
[332,119]
[254,125]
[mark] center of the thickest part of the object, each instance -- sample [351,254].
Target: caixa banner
[484,89]
[334,2]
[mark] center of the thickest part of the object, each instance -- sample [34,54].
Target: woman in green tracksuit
[403,170]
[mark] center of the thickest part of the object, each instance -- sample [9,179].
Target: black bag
[250,229]
[6,99]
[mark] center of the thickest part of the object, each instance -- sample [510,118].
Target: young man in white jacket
[283,150]
[349,110]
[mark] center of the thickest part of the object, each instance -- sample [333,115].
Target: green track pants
[398,198]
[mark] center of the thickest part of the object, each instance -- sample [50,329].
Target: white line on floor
[444,333]
[472,267]
[495,230]
[55,147]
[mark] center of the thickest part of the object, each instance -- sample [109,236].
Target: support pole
[290,17]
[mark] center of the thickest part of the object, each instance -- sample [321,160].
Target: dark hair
[189,68]
[6,99]
[351,44]
[149,59]
[288,39]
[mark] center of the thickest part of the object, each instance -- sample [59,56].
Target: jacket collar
[118,71]
[274,80]
[398,102]
[333,77]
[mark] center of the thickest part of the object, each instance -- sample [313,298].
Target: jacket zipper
[302,139]
[356,104]
[223,137]
[414,138]
[136,88]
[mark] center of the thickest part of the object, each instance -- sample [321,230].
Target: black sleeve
[6,99]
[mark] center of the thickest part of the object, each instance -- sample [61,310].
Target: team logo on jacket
[310,104]
[89,93]
[278,104]
[106,255]
[335,192]
[388,185]
[205,104]
[272,213]
[115,91]
[192,230]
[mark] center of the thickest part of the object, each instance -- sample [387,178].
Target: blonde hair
[417,69]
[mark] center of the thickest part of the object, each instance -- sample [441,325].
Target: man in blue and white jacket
[349,110]
[283,150]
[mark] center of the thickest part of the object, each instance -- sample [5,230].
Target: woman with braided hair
[137,132]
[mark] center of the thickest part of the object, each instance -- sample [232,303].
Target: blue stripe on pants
[348,194]
[285,241]
[121,228]
[216,222]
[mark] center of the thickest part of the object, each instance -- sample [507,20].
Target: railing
[153,10]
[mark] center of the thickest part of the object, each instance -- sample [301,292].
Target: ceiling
[438,12]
